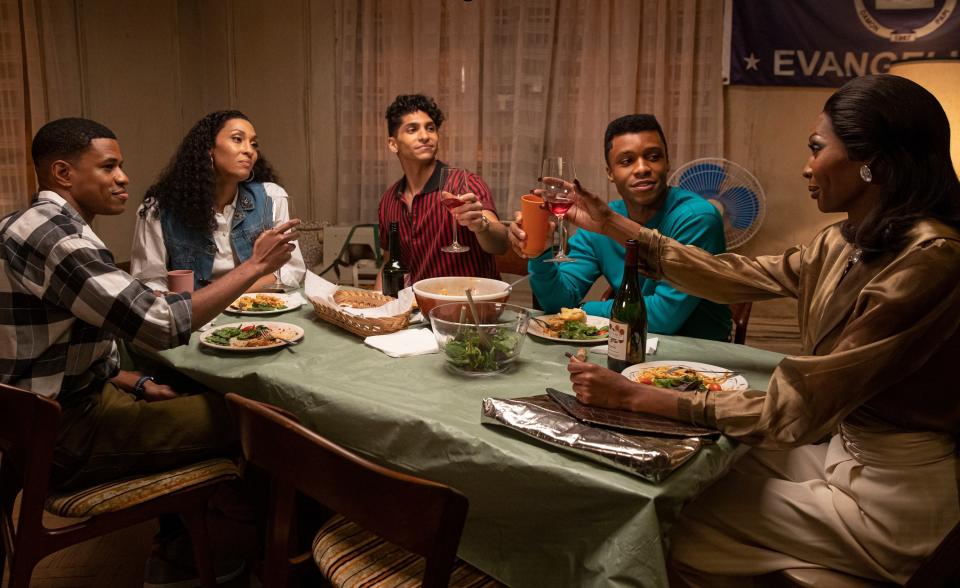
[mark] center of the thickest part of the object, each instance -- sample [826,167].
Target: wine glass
[278,286]
[452,186]
[559,198]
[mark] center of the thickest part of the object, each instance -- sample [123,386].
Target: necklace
[852,261]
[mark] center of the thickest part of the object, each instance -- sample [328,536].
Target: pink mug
[180,280]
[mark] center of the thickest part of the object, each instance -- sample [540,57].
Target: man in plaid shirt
[64,303]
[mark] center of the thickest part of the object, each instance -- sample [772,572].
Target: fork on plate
[540,322]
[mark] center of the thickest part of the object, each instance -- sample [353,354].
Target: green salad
[468,352]
[579,330]
[223,336]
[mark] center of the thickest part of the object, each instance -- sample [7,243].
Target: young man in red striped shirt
[413,125]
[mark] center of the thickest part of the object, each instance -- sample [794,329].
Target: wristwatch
[138,389]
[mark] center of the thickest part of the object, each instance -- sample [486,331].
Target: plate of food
[256,304]
[570,325]
[687,376]
[255,336]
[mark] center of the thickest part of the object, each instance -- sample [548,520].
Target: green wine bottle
[627,336]
[394,272]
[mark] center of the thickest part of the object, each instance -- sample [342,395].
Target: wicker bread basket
[360,325]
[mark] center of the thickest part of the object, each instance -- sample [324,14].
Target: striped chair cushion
[113,496]
[350,557]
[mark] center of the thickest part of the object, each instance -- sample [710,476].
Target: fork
[679,367]
[287,341]
[540,322]
[266,331]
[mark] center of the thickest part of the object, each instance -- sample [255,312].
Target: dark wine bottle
[394,272]
[628,318]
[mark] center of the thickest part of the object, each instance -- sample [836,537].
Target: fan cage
[738,192]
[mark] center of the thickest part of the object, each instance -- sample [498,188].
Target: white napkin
[651,347]
[321,290]
[295,299]
[405,343]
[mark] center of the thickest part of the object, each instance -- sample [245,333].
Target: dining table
[538,515]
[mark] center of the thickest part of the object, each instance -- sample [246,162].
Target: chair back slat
[741,318]
[28,433]
[418,515]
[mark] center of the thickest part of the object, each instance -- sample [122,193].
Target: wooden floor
[117,560]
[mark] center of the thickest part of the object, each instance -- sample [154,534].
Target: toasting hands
[470,213]
[518,237]
[589,211]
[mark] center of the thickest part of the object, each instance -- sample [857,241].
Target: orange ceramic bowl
[434,291]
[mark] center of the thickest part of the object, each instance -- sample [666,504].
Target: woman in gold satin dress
[852,465]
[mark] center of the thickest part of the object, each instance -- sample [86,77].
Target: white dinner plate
[292,332]
[736,382]
[293,302]
[537,330]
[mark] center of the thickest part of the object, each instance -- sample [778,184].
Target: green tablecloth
[538,516]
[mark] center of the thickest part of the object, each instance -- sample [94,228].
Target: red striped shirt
[427,225]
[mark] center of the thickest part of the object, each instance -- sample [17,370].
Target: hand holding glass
[278,286]
[555,176]
[452,186]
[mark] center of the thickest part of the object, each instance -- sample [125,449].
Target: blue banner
[827,42]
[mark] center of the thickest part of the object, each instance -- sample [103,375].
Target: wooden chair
[741,316]
[421,520]
[28,431]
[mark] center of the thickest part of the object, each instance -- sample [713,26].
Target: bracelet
[138,389]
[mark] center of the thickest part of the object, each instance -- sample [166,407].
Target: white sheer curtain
[521,79]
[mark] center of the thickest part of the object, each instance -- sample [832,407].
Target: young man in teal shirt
[637,164]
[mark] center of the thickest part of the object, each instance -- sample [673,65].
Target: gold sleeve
[899,330]
[726,278]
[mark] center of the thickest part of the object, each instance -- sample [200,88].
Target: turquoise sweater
[686,217]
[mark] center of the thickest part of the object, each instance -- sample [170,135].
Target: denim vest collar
[189,248]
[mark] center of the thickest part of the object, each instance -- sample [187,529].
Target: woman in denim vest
[207,208]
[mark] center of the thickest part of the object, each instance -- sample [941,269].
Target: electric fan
[731,188]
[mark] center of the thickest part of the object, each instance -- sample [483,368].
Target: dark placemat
[625,419]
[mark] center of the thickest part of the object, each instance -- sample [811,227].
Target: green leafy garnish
[223,336]
[579,330]
[468,352]
[683,383]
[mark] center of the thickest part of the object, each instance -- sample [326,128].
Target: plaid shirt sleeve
[63,303]
[68,267]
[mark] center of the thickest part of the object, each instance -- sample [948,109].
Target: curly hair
[186,187]
[405,104]
[901,130]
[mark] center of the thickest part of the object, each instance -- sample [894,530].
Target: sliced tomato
[248,328]
[714,387]
[648,380]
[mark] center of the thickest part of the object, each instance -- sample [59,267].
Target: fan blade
[741,205]
[704,179]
